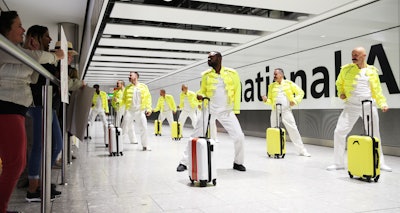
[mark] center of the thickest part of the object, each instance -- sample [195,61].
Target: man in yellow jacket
[356,82]
[188,103]
[222,86]
[288,94]
[99,106]
[137,102]
[166,105]
[116,103]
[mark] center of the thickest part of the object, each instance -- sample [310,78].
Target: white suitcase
[115,146]
[106,137]
[201,161]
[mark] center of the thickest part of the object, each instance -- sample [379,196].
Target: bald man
[356,82]
[188,103]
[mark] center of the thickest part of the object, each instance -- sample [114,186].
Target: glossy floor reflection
[148,182]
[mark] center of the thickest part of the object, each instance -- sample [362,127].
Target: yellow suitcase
[176,130]
[157,127]
[363,152]
[276,138]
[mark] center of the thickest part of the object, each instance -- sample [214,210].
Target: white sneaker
[334,167]
[134,142]
[305,154]
[146,148]
[386,168]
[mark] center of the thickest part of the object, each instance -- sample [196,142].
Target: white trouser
[94,113]
[349,116]
[291,128]
[166,115]
[118,117]
[141,123]
[231,124]
[185,114]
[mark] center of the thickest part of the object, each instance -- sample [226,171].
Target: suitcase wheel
[106,145]
[351,176]
[203,183]
[214,181]
[121,153]
[376,178]
[191,180]
[368,178]
[110,155]
[283,156]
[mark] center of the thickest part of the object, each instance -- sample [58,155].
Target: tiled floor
[148,182]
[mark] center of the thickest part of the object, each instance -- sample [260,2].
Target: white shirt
[186,105]
[136,100]
[99,105]
[282,99]
[362,90]
[166,107]
[219,102]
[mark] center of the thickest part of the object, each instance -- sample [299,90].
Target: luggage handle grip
[205,131]
[278,115]
[366,130]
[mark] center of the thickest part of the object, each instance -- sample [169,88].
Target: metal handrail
[13,50]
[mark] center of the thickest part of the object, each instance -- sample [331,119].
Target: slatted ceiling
[303,6]
[174,33]
[196,17]
[149,53]
[151,44]
[142,60]
[181,33]
[137,65]
[162,71]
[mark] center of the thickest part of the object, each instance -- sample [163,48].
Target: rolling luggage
[115,146]
[157,128]
[176,130]
[106,136]
[201,166]
[88,132]
[276,137]
[363,151]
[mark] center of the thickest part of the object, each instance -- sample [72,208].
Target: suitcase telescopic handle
[205,131]
[369,118]
[278,114]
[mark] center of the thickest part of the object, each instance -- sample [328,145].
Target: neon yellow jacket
[232,85]
[116,101]
[144,95]
[170,101]
[347,80]
[292,91]
[104,100]
[192,98]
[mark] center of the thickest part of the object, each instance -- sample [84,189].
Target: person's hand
[59,54]
[83,84]
[199,97]
[148,113]
[342,96]
[385,109]
[292,103]
[33,44]
[264,98]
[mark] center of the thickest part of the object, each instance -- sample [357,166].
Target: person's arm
[237,97]
[298,93]
[148,101]
[377,93]
[340,84]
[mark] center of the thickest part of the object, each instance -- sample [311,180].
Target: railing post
[47,118]
[65,146]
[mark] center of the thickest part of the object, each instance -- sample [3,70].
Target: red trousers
[12,153]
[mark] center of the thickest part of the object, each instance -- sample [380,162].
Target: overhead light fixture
[167,0]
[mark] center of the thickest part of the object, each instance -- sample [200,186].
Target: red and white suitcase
[201,161]
[115,146]
[201,166]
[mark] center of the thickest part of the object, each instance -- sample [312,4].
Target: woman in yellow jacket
[166,105]
[288,94]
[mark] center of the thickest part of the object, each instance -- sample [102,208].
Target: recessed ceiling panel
[159,54]
[142,60]
[121,64]
[196,17]
[151,44]
[172,33]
